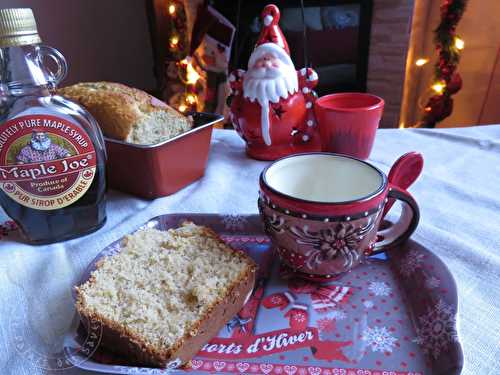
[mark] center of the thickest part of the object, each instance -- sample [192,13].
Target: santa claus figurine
[272,103]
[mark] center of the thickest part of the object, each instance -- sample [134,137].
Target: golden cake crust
[117,338]
[119,108]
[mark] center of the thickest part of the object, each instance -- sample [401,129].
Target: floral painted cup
[323,211]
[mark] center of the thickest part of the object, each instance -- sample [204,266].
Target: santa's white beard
[269,85]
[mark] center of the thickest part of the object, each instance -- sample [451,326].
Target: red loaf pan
[152,171]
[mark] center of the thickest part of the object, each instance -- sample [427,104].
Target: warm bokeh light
[171,9]
[401,125]
[191,99]
[459,43]
[174,41]
[182,108]
[192,75]
[438,87]
[421,62]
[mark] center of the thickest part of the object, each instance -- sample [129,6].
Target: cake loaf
[128,114]
[166,293]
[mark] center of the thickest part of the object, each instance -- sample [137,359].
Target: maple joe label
[46,162]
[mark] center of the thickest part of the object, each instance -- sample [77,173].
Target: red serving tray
[400,317]
[152,171]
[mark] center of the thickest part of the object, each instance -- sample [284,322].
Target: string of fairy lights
[439,86]
[188,75]
[447,81]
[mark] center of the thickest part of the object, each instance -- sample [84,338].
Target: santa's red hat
[271,32]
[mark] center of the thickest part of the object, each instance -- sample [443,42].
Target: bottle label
[46,162]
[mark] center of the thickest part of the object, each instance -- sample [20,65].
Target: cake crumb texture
[163,283]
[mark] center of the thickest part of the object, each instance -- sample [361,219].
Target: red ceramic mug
[348,122]
[323,211]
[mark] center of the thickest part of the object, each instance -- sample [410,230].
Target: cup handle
[54,77]
[400,231]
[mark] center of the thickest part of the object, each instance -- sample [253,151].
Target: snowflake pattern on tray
[411,262]
[337,315]
[436,329]
[379,288]
[234,222]
[276,299]
[379,339]
[300,317]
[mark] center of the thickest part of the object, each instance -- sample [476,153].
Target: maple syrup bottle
[52,155]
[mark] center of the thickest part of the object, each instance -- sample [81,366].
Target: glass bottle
[52,155]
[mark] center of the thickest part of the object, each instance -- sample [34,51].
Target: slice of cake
[166,294]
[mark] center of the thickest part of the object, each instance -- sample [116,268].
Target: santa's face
[271,76]
[267,66]
[40,141]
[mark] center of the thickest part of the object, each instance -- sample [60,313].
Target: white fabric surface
[458,193]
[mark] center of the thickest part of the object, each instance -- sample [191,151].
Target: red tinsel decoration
[440,106]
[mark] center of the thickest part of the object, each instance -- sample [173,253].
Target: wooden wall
[391,22]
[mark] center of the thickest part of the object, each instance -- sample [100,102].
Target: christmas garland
[181,78]
[178,44]
[447,80]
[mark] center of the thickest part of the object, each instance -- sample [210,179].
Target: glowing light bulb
[459,43]
[182,108]
[192,75]
[171,9]
[191,99]
[421,62]
[174,41]
[438,87]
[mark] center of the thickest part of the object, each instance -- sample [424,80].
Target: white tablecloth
[459,196]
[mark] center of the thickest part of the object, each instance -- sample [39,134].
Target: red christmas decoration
[298,317]
[279,300]
[448,45]
[272,104]
[328,297]
[330,350]
[244,321]
[438,108]
[455,84]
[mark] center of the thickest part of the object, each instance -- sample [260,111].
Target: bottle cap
[18,27]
